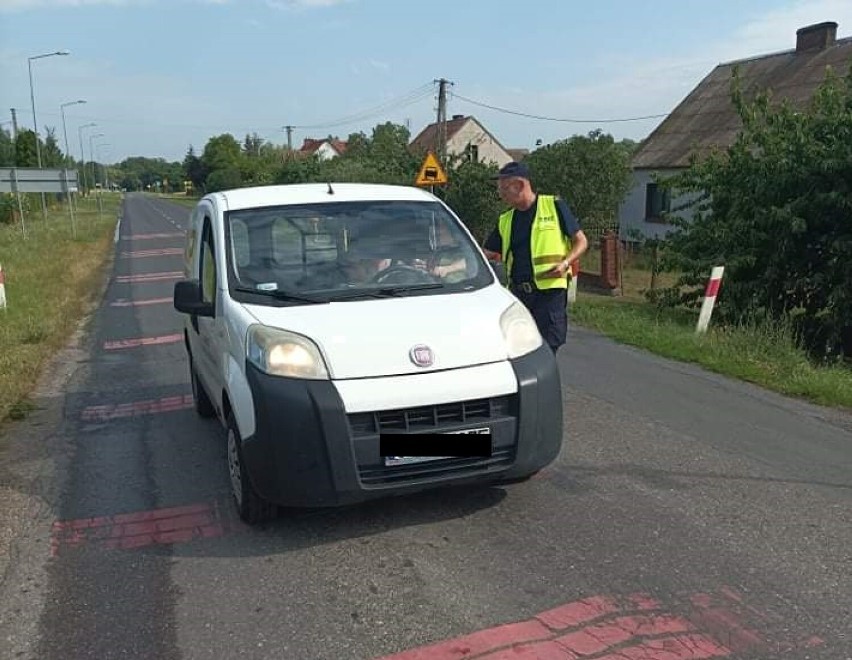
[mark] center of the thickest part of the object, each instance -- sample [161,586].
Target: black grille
[456,467]
[429,417]
[496,412]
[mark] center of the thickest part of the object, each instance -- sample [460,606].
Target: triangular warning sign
[431,173]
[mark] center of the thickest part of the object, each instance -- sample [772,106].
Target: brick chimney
[816,37]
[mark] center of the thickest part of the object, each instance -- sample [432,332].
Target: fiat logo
[422,356]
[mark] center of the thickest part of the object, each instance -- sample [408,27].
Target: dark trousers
[549,308]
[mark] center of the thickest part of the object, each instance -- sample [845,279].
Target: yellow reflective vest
[548,245]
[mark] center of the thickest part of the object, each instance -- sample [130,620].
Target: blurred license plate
[408,460]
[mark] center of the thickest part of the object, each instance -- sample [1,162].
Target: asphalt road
[688,516]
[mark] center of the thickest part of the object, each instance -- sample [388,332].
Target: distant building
[324,149]
[465,135]
[706,118]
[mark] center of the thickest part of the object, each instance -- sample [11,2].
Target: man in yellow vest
[538,239]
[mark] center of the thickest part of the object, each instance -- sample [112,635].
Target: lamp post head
[58,52]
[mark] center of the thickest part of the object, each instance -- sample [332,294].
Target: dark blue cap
[513,169]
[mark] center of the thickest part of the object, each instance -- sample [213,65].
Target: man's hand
[559,270]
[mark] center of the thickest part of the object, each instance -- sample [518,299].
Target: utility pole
[14,126]
[289,138]
[441,146]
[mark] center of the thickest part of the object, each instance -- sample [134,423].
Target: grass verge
[764,355]
[51,278]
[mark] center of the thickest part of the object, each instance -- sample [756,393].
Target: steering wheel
[402,274]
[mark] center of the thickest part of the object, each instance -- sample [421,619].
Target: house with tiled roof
[707,119]
[464,135]
[323,149]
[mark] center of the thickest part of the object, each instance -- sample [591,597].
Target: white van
[323,319]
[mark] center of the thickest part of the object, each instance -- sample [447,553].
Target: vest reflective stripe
[548,246]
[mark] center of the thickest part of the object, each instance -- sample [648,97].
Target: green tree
[138,173]
[389,155]
[591,172]
[222,159]
[472,194]
[224,178]
[299,170]
[193,170]
[252,145]
[25,149]
[7,149]
[51,154]
[776,210]
[357,145]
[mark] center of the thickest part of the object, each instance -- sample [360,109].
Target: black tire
[251,508]
[203,404]
[519,480]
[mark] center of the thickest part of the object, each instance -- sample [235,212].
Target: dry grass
[51,279]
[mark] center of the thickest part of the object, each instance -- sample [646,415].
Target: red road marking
[149,277]
[142,341]
[162,252]
[588,609]
[480,642]
[598,638]
[680,647]
[126,531]
[716,616]
[122,302]
[136,408]
[140,237]
[609,628]
[549,633]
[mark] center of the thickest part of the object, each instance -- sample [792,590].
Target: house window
[472,152]
[657,202]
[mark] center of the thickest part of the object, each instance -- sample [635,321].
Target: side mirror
[187,299]
[499,269]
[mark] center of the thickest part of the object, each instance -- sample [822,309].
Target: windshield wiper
[403,288]
[283,295]
[387,291]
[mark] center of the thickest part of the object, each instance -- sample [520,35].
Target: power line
[400,102]
[573,121]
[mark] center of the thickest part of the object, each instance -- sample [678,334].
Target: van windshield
[339,250]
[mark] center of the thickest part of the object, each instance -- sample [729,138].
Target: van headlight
[281,353]
[519,330]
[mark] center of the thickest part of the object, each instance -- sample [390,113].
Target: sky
[161,76]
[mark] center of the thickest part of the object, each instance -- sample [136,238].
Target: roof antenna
[330,189]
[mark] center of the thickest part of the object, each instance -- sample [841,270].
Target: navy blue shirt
[522,270]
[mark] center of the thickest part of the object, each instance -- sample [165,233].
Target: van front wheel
[250,506]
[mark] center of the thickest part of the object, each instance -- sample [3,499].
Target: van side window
[208,264]
[242,249]
[192,235]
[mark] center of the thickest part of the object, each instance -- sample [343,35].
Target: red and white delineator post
[2,288]
[710,294]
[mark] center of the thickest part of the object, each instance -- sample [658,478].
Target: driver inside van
[361,268]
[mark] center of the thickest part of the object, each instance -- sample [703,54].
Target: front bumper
[307,451]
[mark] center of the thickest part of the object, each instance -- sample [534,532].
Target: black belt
[526,287]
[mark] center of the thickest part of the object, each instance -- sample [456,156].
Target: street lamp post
[92,157]
[95,171]
[103,165]
[64,129]
[83,153]
[62,107]
[35,122]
